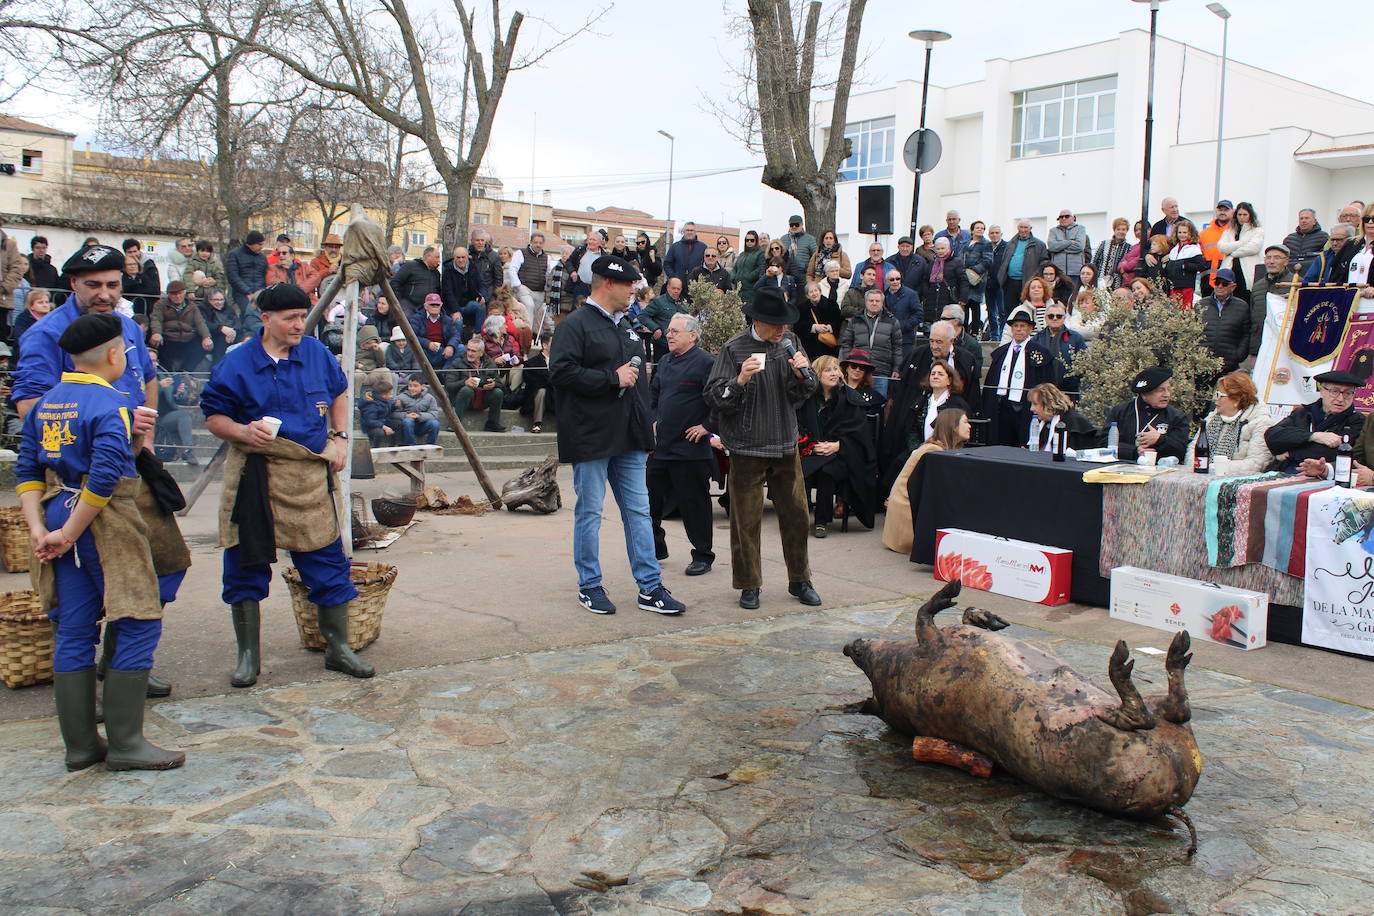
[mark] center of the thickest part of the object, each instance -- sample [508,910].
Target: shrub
[721,313]
[1157,333]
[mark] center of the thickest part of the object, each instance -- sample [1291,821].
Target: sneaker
[660,601]
[595,600]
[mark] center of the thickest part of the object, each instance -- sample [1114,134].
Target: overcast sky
[592,110]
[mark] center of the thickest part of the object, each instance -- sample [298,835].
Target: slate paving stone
[711,770]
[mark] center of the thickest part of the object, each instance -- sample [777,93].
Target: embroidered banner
[1319,322]
[1357,357]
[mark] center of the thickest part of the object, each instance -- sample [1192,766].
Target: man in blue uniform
[77,484]
[95,273]
[279,483]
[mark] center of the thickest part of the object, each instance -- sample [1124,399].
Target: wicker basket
[16,546]
[373,581]
[26,642]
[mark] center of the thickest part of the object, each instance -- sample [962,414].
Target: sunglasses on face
[1049,316]
[1367,219]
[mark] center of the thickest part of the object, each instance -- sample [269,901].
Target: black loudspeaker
[875,209]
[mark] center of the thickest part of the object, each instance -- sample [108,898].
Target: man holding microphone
[596,367]
[759,374]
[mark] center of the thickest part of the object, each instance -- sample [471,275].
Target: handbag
[974,277]
[825,337]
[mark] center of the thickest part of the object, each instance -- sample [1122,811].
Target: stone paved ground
[702,771]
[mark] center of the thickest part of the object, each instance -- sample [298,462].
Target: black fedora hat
[771,307]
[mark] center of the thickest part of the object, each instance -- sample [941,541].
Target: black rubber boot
[157,687]
[247,623]
[125,693]
[337,654]
[74,693]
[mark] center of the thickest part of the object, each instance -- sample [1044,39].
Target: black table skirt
[1013,493]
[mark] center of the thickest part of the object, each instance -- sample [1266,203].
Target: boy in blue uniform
[279,484]
[77,484]
[96,275]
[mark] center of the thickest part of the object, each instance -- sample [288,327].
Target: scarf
[1223,434]
[937,270]
[825,254]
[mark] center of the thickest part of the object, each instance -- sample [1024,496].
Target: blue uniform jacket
[249,385]
[42,362]
[80,427]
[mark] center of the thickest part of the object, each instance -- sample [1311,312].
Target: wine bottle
[1344,463]
[1060,434]
[1202,452]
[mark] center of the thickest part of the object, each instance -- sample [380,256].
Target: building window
[416,239]
[479,191]
[480,219]
[31,160]
[1064,118]
[510,221]
[874,144]
[537,225]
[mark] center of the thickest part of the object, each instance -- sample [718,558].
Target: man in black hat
[759,374]
[1015,368]
[596,367]
[1147,421]
[1305,441]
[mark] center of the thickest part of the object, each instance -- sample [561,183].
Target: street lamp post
[672,143]
[1225,16]
[1149,119]
[929,36]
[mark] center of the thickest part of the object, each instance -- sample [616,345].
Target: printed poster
[1338,596]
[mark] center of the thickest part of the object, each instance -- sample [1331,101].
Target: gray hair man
[953,315]
[530,275]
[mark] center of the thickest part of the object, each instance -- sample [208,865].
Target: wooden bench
[409,460]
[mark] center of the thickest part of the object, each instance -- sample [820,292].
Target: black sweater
[677,403]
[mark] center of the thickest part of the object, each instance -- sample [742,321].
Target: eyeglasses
[1219,395]
[1367,219]
[1065,216]
[1053,316]
[1341,393]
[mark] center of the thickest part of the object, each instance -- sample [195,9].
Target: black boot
[74,693]
[337,654]
[247,623]
[125,693]
[157,687]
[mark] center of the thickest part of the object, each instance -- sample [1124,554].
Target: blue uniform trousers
[324,572]
[80,582]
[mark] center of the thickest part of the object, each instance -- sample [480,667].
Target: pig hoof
[937,750]
[1131,714]
[1175,707]
[987,620]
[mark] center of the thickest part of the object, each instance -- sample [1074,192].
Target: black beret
[280,297]
[1339,377]
[615,268]
[1150,379]
[90,331]
[92,258]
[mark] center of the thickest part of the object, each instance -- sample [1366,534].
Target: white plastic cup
[272,424]
[144,409]
[761,357]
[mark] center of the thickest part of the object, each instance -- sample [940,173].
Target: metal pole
[1149,124]
[672,146]
[916,188]
[1221,105]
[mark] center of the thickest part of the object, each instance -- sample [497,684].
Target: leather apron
[303,491]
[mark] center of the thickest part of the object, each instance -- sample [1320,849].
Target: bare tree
[773,115]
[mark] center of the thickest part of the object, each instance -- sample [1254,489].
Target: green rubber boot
[338,656]
[157,687]
[74,693]
[247,632]
[125,693]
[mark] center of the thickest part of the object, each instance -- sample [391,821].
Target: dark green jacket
[748,268]
[660,311]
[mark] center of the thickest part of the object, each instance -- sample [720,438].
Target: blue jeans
[474,313]
[627,475]
[429,428]
[880,384]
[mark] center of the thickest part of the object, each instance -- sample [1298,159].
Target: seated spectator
[36,304]
[852,302]
[833,288]
[838,454]
[1147,421]
[179,333]
[899,526]
[1054,410]
[140,288]
[1235,429]
[818,318]
[534,392]
[417,412]
[655,316]
[173,437]
[437,333]
[383,318]
[369,360]
[476,374]
[877,333]
[1086,281]
[1184,262]
[502,349]
[776,275]
[773,250]
[966,341]
[1332,263]
[400,358]
[222,321]
[1085,316]
[828,250]
[284,267]
[203,273]
[1061,287]
[1063,345]
[858,378]
[1305,441]
[375,408]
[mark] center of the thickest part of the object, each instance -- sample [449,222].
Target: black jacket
[460,288]
[677,404]
[843,421]
[1081,433]
[1226,334]
[1182,272]
[489,269]
[915,269]
[1039,364]
[247,273]
[953,288]
[1303,246]
[43,274]
[905,394]
[882,339]
[1292,434]
[1134,415]
[594,420]
[413,282]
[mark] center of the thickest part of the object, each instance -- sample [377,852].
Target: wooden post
[437,387]
[350,360]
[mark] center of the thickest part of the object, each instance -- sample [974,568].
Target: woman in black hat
[839,457]
[1147,421]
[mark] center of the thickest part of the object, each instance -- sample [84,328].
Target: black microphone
[791,351]
[635,363]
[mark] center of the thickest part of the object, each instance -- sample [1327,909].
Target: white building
[1065,129]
